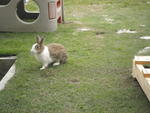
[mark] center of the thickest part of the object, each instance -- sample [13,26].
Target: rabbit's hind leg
[56,63]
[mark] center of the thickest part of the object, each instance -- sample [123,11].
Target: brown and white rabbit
[52,53]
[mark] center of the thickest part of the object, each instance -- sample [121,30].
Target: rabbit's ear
[41,40]
[38,39]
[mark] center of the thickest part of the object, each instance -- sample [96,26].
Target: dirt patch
[100,34]
[84,29]
[148,2]
[109,20]
[74,81]
[145,37]
[142,25]
[125,31]
[146,50]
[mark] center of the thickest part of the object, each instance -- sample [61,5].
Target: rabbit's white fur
[43,57]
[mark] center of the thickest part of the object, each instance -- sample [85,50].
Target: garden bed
[7,69]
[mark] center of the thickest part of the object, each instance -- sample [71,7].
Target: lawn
[97,77]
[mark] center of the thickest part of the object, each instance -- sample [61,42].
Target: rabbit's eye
[37,47]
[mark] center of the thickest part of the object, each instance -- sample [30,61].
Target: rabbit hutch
[15,17]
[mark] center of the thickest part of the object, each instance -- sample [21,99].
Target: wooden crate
[142,74]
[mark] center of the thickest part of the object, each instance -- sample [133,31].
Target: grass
[97,77]
[32,6]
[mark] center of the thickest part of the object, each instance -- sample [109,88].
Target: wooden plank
[142,59]
[144,82]
[148,80]
[134,69]
[146,72]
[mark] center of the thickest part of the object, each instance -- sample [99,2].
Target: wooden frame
[142,74]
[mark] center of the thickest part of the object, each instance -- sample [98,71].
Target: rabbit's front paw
[42,68]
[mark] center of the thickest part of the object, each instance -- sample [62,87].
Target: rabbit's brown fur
[57,52]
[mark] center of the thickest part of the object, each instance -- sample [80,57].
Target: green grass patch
[97,77]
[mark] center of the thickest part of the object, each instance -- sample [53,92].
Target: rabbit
[52,53]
